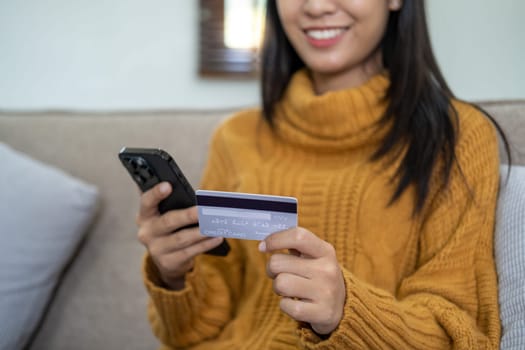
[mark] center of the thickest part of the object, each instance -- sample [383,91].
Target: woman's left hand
[309,279]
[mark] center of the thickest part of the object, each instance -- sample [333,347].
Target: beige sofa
[100,302]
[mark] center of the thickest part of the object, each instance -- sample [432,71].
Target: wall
[131,54]
[480,47]
[114,54]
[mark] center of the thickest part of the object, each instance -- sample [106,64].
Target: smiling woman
[396,182]
[230,33]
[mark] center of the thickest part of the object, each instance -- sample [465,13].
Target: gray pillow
[510,257]
[44,213]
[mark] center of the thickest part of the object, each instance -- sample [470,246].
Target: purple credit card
[244,215]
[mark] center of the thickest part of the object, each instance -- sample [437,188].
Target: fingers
[310,300]
[309,278]
[174,254]
[301,310]
[175,241]
[149,201]
[292,264]
[293,286]
[177,260]
[172,239]
[199,248]
[175,220]
[322,318]
[166,224]
[299,239]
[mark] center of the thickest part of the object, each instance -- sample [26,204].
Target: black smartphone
[150,166]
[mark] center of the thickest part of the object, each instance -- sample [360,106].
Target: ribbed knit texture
[425,282]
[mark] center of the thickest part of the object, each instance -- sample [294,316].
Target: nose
[318,8]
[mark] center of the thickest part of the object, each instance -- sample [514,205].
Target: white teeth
[324,34]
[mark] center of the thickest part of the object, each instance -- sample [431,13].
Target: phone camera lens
[145,172]
[133,162]
[139,178]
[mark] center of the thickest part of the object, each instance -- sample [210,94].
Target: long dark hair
[419,109]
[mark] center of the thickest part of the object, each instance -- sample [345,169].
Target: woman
[396,183]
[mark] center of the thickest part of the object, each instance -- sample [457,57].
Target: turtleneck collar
[333,121]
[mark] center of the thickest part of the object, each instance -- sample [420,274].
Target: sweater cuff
[155,285]
[344,335]
[185,301]
[309,339]
[192,314]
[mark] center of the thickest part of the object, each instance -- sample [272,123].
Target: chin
[328,70]
[330,66]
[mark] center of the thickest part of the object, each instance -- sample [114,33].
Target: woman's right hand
[172,253]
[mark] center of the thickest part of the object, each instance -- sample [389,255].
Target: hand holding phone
[172,255]
[150,168]
[167,221]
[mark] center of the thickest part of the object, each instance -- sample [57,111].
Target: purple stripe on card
[245,203]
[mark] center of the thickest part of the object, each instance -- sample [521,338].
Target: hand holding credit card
[244,215]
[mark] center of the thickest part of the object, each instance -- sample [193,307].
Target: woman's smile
[325,37]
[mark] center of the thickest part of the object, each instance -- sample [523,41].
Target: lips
[324,37]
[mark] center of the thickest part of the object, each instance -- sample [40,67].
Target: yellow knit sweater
[425,282]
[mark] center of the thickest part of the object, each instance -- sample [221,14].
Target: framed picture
[230,34]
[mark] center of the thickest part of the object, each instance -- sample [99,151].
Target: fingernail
[164,187]
[262,246]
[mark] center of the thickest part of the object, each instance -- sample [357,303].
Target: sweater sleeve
[450,300]
[201,310]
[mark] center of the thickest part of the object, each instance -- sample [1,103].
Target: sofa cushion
[44,213]
[510,257]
